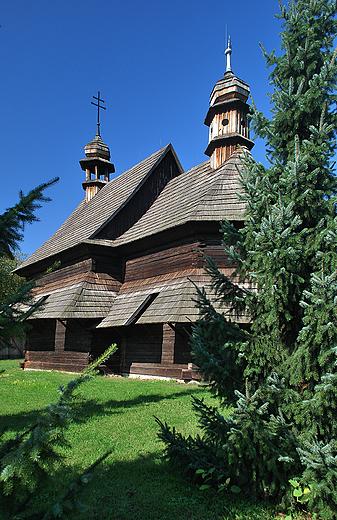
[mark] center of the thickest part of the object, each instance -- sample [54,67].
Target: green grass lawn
[134,482]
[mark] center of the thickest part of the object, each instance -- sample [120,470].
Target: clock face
[225,122]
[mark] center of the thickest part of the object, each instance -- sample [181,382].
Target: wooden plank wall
[109,265]
[78,336]
[158,350]
[163,262]
[217,253]
[48,340]
[62,360]
[41,335]
[167,355]
[68,271]
[182,347]
[101,340]
[60,335]
[143,344]
[108,268]
[179,258]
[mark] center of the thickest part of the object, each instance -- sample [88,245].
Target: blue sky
[155,64]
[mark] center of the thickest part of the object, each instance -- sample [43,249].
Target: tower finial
[98,107]
[228,53]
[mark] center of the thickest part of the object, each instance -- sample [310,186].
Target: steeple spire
[228,53]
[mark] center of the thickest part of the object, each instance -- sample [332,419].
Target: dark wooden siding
[101,340]
[65,361]
[217,253]
[179,258]
[143,344]
[110,265]
[78,335]
[182,347]
[164,262]
[69,271]
[41,335]
[103,271]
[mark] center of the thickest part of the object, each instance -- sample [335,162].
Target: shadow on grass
[149,488]
[92,408]
[115,406]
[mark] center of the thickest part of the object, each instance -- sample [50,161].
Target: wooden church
[129,252]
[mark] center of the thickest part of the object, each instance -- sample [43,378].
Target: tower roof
[96,148]
[227,116]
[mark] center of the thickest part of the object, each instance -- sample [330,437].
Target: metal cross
[98,107]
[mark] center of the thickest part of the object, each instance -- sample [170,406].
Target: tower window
[243,123]
[225,121]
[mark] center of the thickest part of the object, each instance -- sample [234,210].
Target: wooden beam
[60,335]
[177,331]
[167,356]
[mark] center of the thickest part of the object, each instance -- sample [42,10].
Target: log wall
[98,271]
[62,360]
[68,271]
[182,348]
[143,344]
[101,340]
[78,337]
[41,335]
[179,258]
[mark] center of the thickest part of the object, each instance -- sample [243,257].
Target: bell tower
[97,165]
[227,116]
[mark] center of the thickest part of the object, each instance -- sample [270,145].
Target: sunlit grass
[134,482]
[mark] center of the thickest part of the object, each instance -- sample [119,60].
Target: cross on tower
[98,107]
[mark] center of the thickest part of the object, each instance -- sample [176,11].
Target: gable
[142,198]
[110,205]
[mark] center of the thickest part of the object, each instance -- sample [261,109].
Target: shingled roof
[90,216]
[75,301]
[87,295]
[173,300]
[200,194]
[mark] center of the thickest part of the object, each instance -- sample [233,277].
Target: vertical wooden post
[167,353]
[122,358]
[60,335]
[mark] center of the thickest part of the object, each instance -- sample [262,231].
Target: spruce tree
[16,298]
[291,204]
[14,219]
[285,259]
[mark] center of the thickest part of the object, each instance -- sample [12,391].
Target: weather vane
[99,100]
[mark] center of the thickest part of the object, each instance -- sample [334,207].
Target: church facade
[130,253]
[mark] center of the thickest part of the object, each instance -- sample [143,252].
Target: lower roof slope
[80,300]
[173,300]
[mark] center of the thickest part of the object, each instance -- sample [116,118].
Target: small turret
[227,116]
[96,165]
